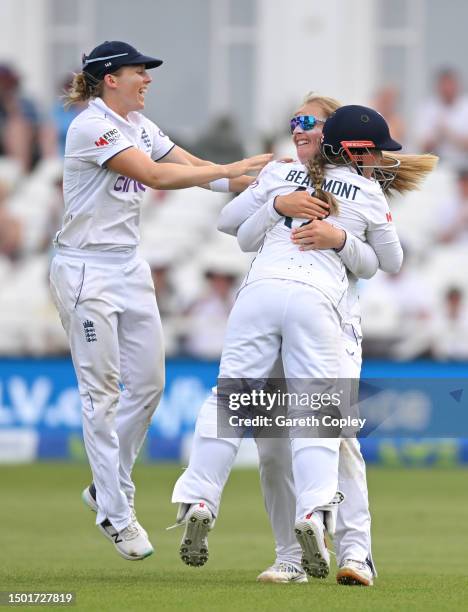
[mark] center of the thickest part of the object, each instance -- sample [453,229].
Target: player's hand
[237,185]
[250,164]
[318,235]
[301,205]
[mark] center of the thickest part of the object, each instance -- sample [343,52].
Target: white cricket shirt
[102,208]
[363,211]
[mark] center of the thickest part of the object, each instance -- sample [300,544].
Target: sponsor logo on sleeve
[101,142]
[389,217]
[108,138]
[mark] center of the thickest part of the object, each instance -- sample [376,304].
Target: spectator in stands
[208,315]
[397,310]
[11,235]
[170,303]
[386,101]
[221,143]
[453,218]
[443,120]
[166,294]
[19,121]
[450,330]
[54,216]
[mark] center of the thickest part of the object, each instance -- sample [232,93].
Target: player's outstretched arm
[382,235]
[178,155]
[237,211]
[382,251]
[386,244]
[298,204]
[295,204]
[251,233]
[358,256]
[138,166]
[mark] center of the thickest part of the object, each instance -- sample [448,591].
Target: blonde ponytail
[81,90]
[412,171]
[316,165]
[316,170]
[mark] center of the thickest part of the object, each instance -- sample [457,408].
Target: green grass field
[49,542]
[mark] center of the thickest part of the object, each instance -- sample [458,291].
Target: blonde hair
[85,87]
[316,170]
[412,171]
[316,165]
[409,176]
[81,89]
[327,104]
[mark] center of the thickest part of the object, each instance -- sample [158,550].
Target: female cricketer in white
[303,314]
[352,538]
[101,287]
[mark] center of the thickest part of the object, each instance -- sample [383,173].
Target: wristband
[344,242]
[274,207]
[221,185]
[274,212]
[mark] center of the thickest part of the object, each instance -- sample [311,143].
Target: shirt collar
[101,105]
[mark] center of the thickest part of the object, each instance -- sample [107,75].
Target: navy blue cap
[112,55]
[354,123]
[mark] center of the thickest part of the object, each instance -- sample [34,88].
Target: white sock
[279,496]
[210,464]
[315,477]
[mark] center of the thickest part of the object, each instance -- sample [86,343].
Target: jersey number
[288,220]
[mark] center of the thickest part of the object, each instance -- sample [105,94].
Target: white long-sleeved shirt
[364,215]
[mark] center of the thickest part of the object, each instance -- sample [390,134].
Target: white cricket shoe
[310,533]
[355,573]
[282,572]
[89,498]
[131,543]
[198,522]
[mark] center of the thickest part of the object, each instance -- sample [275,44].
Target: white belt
[105,257]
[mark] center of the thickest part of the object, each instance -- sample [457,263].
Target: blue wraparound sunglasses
[307,122]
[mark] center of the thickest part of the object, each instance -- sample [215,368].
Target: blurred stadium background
[234,71]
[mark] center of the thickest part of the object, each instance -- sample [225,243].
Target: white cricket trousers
[353,523]
[108,309]
[352,538]
[268,317]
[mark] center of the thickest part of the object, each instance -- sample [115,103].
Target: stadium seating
[178,231]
